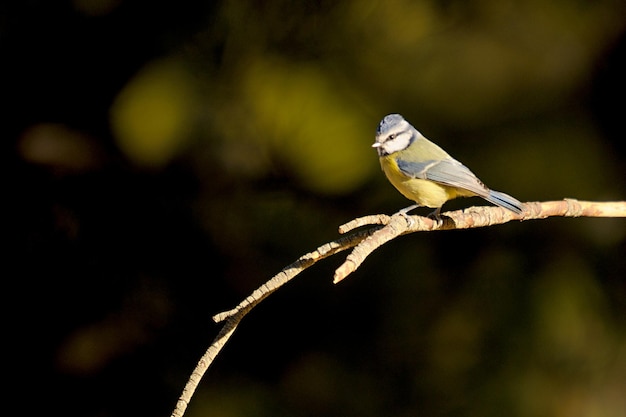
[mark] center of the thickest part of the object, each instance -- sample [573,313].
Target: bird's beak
[377,145]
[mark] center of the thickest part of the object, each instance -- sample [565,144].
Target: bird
[425,173]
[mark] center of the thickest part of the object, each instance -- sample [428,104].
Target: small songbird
[425,173]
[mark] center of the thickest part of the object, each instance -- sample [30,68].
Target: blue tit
[425,173]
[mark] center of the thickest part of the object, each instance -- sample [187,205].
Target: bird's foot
[435,216]
[404,214]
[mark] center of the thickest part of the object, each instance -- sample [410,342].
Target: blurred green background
[166,158]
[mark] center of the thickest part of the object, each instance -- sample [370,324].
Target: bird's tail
[506,201]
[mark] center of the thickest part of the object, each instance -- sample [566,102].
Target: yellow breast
[423,192]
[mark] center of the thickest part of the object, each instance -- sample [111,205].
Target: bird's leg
[436,216]
[404,214]
[405,210]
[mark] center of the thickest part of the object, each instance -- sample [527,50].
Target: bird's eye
[392,136]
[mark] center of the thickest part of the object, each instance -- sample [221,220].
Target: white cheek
[399,143]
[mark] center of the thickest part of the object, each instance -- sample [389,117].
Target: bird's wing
[447,171]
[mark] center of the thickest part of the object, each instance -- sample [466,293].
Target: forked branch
[385,228]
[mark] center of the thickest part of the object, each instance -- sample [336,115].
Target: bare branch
[366,241]
[234,316]
[473,217]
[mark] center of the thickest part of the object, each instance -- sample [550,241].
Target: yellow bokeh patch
[310,125]
[152,116]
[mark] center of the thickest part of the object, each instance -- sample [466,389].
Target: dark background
[166,158]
